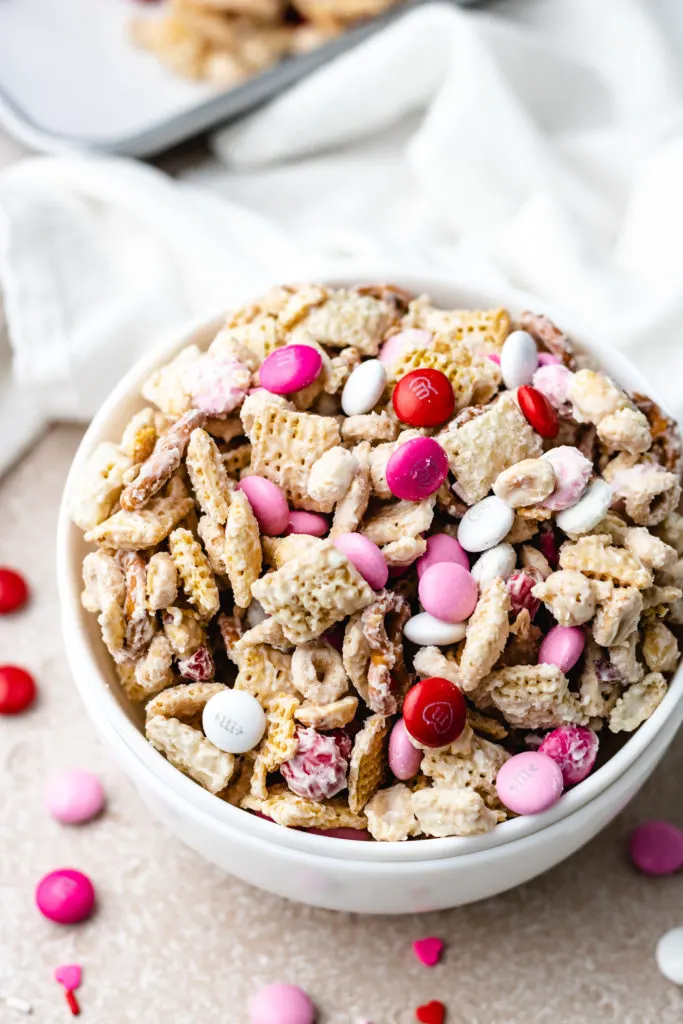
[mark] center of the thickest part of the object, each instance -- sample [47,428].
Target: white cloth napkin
[540,142]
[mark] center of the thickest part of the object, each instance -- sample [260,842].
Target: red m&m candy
[17,690]
[424,398]
[538,411]
[13,591]
[434,712]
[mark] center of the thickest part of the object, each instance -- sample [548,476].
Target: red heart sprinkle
[428,951]
[431,1013]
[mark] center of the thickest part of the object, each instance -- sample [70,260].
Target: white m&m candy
[364,388]
[588,511]
[234,721]
[518,359]
[485,524]
[669,955]
[425,630]
[498,561]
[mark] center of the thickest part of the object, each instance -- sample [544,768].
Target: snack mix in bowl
[384,570]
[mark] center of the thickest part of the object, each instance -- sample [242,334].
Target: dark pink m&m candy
[65,896]
[656,848]
[417,469]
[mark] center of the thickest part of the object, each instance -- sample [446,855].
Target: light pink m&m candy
[572,473]
[562,646]
[441,547]
[74,796]
[417,469]
[307,522]
[656,848]
[574,748]
[65,896]
[281,1004]
[404,758]
[268,503]
[400,343]
[448,592]
[366,556]
[290,369]
[529,783]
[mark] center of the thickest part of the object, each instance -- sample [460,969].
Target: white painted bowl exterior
[387,878]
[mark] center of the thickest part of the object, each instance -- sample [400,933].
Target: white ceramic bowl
[387,878]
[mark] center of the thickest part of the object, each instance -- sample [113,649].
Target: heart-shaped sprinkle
[428,951]
[69,975]
[431,1013]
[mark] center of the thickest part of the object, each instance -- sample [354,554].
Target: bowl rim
[105,708]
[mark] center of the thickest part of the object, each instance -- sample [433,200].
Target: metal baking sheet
[70,79]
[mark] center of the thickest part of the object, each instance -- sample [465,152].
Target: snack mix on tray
[228,41]
[363,551]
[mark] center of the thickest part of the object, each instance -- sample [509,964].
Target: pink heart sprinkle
[428,951]
[69,975]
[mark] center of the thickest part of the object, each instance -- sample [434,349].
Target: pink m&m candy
[404,758]
[441,547]
[65,896]
[366,556]
[417,469]
[448,592]
[281,1004]
[268,503]
[290,368]
[656,848]
[74,796]
[548,359]
[574,748]
[400,343]
[562,646]
[529,783]
[307,522]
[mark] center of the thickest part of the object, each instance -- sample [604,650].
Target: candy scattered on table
[669,955]
[431,1013]
[448,592]
[364,388]
[74,795]
[485,524]
[417,469]
[234,721]
[281,1004]
[434,712]
[19,1004]
[428,951]
[69,976]
[290,369]
[424,398]
[538,411]
[574,748]
[366,556]
[404,757]
[656,848]
[529,783]
[65,896]
[17,690]
[14,591]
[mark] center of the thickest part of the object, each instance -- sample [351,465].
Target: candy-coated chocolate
[307,522]
[518,359]
[234,721]
[417,469]
[366,556]
[574,748]
[399,343]
[538,411]
[13,590]
[656,848]
[441,547]
[74,795]
[590,510]
[290,369]
[424,398]
[425,630]
[669,955]
[65,896]
[281,1004]
[529,783]
[448,592]
[434,712]
[404,758]
[364,388]
[548,359]
[553,382]
[485,524]
[268,503]
[562,646]
[17,690]
[572,472]
[499,562]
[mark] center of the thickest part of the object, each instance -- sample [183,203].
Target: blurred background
[161,159]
